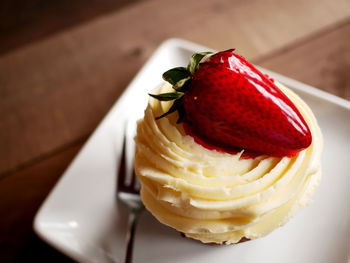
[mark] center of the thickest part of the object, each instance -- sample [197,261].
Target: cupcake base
[242,240]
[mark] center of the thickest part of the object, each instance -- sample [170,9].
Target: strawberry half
[226,104]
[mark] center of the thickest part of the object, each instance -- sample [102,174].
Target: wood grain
[323,62]
[21,194]
[57,90]
[25,21]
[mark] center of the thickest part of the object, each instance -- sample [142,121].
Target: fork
[129,191]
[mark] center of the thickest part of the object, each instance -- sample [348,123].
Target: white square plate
[82,218]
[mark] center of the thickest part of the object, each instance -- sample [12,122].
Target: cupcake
[224,153]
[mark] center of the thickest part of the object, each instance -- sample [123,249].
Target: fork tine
[133,179]
[127,179]
[122,167]
[135,184]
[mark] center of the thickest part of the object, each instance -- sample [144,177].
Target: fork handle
[132,221]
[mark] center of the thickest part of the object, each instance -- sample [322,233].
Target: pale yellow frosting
[219,197]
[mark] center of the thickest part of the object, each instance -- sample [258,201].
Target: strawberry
[227,104]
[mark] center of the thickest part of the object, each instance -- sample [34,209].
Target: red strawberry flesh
[231,106]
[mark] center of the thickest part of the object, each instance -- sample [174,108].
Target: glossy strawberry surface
[232,106]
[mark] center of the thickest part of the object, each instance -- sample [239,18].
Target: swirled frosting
[217,197]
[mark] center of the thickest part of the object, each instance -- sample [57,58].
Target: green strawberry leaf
[173,108]
[174,75]
[181,84]
[181,111]
[167,96]
[194,62]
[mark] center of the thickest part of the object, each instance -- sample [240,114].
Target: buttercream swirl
[219,197]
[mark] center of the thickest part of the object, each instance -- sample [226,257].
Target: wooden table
[56,85]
